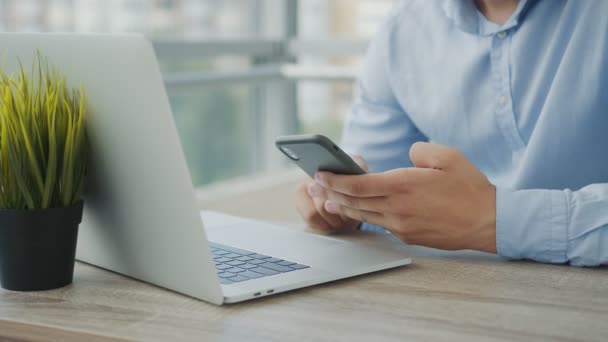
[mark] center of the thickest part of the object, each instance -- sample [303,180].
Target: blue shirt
[526,102]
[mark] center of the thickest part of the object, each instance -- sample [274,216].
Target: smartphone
[315,152]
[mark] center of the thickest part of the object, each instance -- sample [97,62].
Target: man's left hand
[443,202]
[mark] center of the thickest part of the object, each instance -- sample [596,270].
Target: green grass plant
[43,145]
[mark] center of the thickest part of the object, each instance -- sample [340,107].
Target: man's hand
[311,206]
[443,202]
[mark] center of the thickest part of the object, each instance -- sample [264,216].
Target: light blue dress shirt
[526,102]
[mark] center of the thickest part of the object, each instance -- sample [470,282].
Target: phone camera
[290,153]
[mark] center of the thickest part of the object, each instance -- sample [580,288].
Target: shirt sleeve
[378,127]
[556,226]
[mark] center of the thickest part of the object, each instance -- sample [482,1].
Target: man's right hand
[310,202]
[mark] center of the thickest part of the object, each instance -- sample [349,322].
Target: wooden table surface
[447,296]
[441,296]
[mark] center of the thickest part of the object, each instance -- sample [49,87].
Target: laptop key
[276,267]
[248,266]
[285,263]
[251,275]
[259,256]
[232,255]
[226,275]
[219,252]
[238,278]
[244,258]
[235,270]
[225,281]
[222,259]
[222,266]
[235,263]
[299,266]
[264,271]
[256,261]
[273,260]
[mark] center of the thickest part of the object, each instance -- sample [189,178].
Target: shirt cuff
[532,224]
[371,228]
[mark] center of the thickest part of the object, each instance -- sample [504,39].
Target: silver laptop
[141,217]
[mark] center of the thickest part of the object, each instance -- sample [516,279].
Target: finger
[317,222]
[356,214]
[314,219]
[318,194]
[361,162]
[308,212]
[334,221]
[316,190]
[434,156]
[376,204]
[368,185]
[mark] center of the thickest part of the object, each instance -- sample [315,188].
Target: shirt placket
[505,116]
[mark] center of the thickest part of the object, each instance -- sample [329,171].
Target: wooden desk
[442,296]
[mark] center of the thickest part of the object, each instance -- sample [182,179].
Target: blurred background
[238,72]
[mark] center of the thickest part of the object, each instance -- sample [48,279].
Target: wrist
[485,240]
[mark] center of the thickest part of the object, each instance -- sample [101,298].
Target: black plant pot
[38,247]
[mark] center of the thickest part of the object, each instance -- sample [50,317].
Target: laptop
[141,215]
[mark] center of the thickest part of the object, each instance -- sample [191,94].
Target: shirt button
[502,100]
[501,34]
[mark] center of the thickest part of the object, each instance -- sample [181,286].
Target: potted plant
[43,153]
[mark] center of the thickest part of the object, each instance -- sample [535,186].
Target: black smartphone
[315,152]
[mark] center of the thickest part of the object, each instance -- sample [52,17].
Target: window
[213,123]
[323,104]
[238,72]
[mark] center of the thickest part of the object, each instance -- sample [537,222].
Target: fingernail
[332,207]
[320,178]
[314,190]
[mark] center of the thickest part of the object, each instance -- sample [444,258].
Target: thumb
[359,160]
[434,156]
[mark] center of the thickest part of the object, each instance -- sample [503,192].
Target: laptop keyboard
[235,265]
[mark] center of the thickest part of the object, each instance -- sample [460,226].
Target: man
[513,97]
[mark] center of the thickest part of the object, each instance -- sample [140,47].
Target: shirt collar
[466,16]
